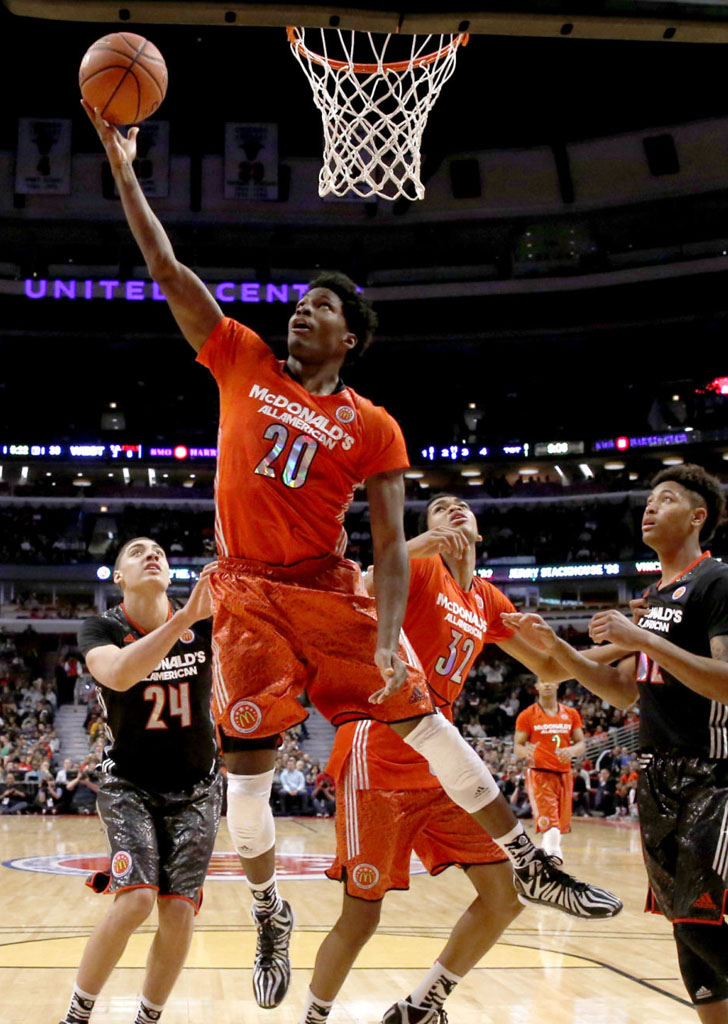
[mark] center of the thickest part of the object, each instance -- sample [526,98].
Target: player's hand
[563,753]
[615,628]
[534,630]
[445,540]
[199,603]
[119,149]
[393,671]
[639,607]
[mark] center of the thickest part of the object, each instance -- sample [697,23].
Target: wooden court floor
[546,968]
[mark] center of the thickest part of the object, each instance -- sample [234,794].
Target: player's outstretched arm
[706,676]
[191,304]
[613,683]
[391,562]
[121,668]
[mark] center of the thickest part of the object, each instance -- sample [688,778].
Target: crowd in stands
[545,532]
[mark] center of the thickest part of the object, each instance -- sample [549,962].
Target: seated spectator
[83,789]
[13,799]
[294,797]
[322,797]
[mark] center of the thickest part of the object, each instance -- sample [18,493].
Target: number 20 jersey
[288,461]
[160,730]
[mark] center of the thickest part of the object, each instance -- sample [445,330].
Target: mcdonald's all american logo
[245,716]
[345,414]
[187,637]
[365,876]
[543,822]
[679,593]
[479,601]
[121,864]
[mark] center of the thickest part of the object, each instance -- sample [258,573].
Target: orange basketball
[125,76]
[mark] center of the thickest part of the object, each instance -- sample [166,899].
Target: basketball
[124,76]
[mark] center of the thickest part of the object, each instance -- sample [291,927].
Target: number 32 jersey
[160,730]
[288,461]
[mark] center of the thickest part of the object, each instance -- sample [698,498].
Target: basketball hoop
[374,111]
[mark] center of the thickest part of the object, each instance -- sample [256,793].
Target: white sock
[315,1010]
[80,1007]
[148,1012]
[266,900]
[517,846]
[552,842]
[435,987]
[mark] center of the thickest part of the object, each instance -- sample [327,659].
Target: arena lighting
[103,508]
[622,444]
[634,476]
[414,474]
[613,465]
[528,471]
[24,473]
[471,472]
[585,471]
[673,460]
[126,474]
[181,451]
[719,385]
[152,476]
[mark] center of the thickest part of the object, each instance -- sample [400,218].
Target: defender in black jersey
[679,673]
[161,792]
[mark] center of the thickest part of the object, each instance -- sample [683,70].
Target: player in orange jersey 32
[290,612]
[385,789]
[548,735]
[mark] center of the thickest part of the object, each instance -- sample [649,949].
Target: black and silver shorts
[162,841]
[683,808]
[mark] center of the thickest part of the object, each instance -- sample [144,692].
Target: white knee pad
[460,772]
[249,814]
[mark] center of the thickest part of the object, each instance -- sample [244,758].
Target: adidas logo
[479,791]
[129,639]
[417,695]
[703,993]
[705,902]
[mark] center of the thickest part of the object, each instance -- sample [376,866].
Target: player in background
[679,674]
[290,612]
[161,790]
[548,735]
[385,789]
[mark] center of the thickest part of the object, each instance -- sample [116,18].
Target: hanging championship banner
[43,166]
[152,161]
[251,161]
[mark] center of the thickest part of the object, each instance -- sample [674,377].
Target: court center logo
[121,864]
[245,717]
[365,876]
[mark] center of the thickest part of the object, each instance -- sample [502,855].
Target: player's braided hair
[358,313]
[697,480]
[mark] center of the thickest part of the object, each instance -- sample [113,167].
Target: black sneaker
[407,1013]
[541,881]
[272,967]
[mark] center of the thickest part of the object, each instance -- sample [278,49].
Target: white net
[374,111]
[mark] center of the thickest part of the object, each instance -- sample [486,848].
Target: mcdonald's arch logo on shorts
[121,864]
[543,821]
[245,717]
[365,876]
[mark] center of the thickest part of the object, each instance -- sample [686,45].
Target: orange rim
[371,69]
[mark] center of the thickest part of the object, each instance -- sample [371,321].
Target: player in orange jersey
[290,612]
[548,735]
[385,789]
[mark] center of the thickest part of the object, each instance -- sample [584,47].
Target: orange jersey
[548,733]
[447,628]
[288,461]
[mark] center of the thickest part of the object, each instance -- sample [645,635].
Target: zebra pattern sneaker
[540,881]
[272,967]
[407,1013]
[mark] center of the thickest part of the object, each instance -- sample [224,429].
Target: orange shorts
[551,795]
[280,630]
[377,830]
